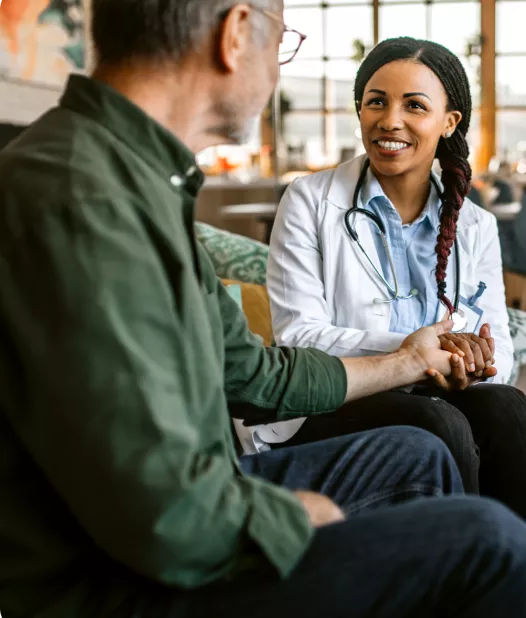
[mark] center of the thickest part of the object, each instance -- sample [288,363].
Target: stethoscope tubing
[355,210]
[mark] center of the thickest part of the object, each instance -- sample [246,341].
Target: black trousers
[483,426]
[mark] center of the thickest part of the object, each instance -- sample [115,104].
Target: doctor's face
[403,115]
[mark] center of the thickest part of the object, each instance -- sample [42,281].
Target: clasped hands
[458,359]
[472,359]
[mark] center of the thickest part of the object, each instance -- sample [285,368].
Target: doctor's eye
[416,105]
[376,102]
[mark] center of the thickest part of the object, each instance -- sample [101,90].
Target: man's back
[115,444]
[68,171]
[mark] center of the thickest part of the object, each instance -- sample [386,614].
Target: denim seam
[428,490]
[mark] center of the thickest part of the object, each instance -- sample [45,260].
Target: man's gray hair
[162,29]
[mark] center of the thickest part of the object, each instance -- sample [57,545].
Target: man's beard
[229,128]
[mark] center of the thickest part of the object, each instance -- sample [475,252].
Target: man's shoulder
[64,163]
[53,158]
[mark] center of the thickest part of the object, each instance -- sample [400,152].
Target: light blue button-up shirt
[413,251]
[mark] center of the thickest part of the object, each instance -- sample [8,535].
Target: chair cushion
[256,307]
[234,256]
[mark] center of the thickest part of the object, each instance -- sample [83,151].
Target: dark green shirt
[121,358]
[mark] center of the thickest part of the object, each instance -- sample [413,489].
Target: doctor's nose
[390,121]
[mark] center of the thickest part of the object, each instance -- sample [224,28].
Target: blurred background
[311,123]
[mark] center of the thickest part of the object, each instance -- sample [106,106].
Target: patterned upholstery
[233,256]
[243,259]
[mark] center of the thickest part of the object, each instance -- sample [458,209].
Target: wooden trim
[488,106]
[376,22]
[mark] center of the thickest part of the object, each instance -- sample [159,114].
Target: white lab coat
[322,289]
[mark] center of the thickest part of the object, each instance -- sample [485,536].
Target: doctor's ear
[452,121]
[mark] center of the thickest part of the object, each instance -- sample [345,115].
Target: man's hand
[321,510]
[478,350]
[425,345]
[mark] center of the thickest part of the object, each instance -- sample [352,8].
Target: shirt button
[176,181]
[191,171]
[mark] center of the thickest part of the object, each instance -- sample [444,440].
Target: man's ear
[235,37]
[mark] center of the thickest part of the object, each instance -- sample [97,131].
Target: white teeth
[393,145]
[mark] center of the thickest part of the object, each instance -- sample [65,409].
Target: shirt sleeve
[110,406]
[300,315]
[265,384]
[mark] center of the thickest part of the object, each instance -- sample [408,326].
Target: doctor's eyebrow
[407,95]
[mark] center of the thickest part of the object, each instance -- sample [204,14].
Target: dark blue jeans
[403,551]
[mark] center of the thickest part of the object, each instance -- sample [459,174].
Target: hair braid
[452,153]
[456,180]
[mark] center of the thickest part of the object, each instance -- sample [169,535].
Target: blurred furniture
[218,192]
[515,283]
[250,220]
[513,242]
[506,212]
[267,220]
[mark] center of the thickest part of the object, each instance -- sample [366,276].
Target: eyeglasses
[291,40]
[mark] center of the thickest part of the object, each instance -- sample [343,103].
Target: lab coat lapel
[340,193]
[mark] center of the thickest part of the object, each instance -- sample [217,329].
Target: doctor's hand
[321,510]
[459,379]
[477,351]
[425,345]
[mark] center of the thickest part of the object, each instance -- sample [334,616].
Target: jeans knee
[415,438]
[496,528]
[418,444]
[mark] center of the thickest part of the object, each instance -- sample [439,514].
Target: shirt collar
[372,189]
[146,137]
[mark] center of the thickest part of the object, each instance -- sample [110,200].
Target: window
[510,85]
[320,123]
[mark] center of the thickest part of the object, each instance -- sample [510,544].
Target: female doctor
[367,253]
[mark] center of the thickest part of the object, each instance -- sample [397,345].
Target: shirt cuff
[279,525]
[319,384]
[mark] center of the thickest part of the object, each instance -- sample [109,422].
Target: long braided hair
[452,153]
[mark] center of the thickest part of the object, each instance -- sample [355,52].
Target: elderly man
[123,359]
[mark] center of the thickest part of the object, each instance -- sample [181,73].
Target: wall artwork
[41,41]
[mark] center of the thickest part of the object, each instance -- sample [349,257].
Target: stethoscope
[459,320]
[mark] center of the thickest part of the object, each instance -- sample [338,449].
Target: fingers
[469,357]
[491,344]
[478,357]
[443,327]
[458,372]
[450,346]
[485,333]
[439,379]
[485,350]
[490,372]
[457,380]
